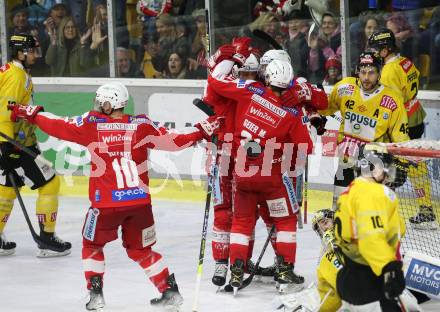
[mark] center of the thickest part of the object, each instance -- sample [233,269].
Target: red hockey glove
[299,94]
[225,52]
[318,121]
[27,112]
[210,126]
[242,49]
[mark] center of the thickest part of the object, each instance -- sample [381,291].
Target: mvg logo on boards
[423,276]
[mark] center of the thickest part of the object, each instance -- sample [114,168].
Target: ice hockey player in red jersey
[118,186]
[265,136]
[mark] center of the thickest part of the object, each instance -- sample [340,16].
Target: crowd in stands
[167,38]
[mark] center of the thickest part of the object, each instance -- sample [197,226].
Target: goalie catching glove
[210,126]
[27,112]
[393,279]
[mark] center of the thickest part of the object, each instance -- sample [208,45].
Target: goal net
[418,190]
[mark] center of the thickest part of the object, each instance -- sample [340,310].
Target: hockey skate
[221,270]
[425,219]
[96,302]
[171,299]
[61,248]
[287,279]
[237,273]
[6,247]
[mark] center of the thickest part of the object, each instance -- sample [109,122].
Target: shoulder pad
[345,89]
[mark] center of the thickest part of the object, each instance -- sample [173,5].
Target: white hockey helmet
[250,65]
[272,55]
[279,74]
[114,93]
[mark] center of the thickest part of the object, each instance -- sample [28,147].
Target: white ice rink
[29,284]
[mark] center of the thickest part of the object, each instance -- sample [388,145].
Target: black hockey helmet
[22,42]
[369,59]
[372,156]
[320,215]
[383,38]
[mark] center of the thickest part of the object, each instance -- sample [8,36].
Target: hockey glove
[318,121]
[210,126]
[299,94]
[27,112]
[242,49]
[393,279]
[7,156]
[225,52]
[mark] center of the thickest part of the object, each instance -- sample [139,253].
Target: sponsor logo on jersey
[241,83]
[5,68]
[263,115]
[345,89]
[129,194]
[41,217]
[359,125]
[148,236]
[423,276]
[96,119]
[291,110]
[120,154]
[388,102]
[420,193]
[362,109]
[406,64]
[116,138]
[53,217]
[90,225]
[78,121]
[116,126]
[278,207]
[139,120]
[263,102]
[305,120]
[255,90]
[386,116]
[412,76]
[360,119]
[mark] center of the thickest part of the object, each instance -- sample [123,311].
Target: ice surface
[30,284]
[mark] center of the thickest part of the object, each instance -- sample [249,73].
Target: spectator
[333,68]
[55,15]
[197,60]
[297,45]
[369,23]
[177,67]
[99,45]
[151,50]
[404,34]
[126,67]
[67,53]
[331,32]
[167,36]
[319,52]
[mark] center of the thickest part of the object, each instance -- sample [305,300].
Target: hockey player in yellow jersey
[402,75]
[368,229]
[371,112]
[16,87]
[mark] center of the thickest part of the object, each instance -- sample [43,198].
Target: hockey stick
[299,186]
[305,186]
[27,150]
[35,236]
[267,38]
[203,107]
[248,280]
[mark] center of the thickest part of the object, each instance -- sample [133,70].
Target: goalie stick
[248,280]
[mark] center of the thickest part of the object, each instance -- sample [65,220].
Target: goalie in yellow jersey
[368,229]
[402,75]
[16,87]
